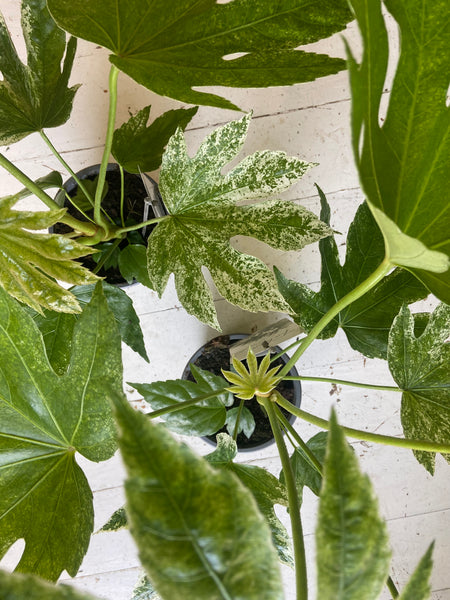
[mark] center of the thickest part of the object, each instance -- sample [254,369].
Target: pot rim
[297,388]
[92,170]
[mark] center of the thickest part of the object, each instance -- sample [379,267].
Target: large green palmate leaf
[351,538]
[264,486]
[57,328]
[172,48]
[205,417]
[366,321]
[44,419]
[35,95]
[14,586]
[204,216]
[138,147]
[198,529]
[418,587]
[403,159]
[421,367]
[30,262]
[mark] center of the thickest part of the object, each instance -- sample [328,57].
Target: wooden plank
[269,337]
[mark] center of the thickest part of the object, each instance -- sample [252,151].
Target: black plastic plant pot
[214,356]
[136,210]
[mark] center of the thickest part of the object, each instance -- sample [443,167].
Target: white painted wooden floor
[310,121]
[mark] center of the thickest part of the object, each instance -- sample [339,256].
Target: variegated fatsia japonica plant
[61,389]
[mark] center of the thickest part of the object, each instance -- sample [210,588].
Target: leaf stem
[113,76]
[72,173]
[69,199]
[78,181]
[180,406]
[140,225]
[106,255]
[294,504]
[122,195]
[82,226]
[380,272]
[238,418]
[370,386]
[312,458]
[366,436]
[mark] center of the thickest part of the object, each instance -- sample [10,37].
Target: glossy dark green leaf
[121,306]
[57,328]
[366,321]
[30,262]
[304,472]
[421,367]
[138,147]
[34,96]
[403,159]
[198,529]
[14,586]
[351,539]
[418,587]
[173,48]
[108,254]
[204,418]
[265,488]
[52,180]
[133,264]
[85,203]
[44,418]
[204,215]
[246,423]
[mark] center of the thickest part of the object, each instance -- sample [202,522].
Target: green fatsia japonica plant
[171,49]
[62,395]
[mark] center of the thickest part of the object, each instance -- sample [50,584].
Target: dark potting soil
[134,196]
[214,357]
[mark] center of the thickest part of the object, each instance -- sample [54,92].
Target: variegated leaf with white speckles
[209,544]
[205,215]
[421,367]
[144,590]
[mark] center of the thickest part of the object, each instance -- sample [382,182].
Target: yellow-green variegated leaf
[205,213]
[351,537]
[199,532]
[30,262]
[421,368]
